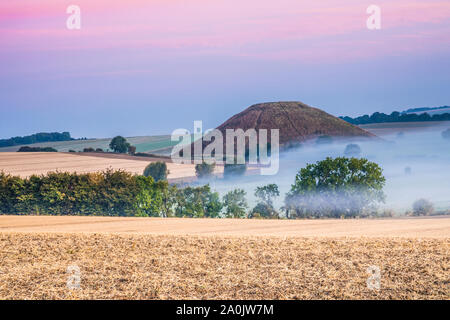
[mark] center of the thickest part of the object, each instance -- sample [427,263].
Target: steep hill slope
[296,121]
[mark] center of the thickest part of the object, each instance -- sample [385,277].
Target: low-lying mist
[416,164]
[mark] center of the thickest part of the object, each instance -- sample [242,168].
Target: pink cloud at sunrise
[140,67]
[316,31]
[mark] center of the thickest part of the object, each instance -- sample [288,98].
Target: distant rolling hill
[161,145]
[430,111]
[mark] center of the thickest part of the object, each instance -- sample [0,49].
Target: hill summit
[296,121]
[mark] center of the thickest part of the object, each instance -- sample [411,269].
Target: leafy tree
[12,190]
[265,208]
[119,144]
[422,207]
[157,170]
[235,204]
[336,187]
[197,202]
[352,150]
[267,193]
[168,197]
[149,201]
[213,205]
[118,189]
[194,202]
[204,170]
[181,202]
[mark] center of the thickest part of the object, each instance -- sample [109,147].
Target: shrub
[234,170]
[72,150]
[150,155]
[265,208]
[387,213]
[352,150]
[119,144]
[36,149]
[422,207]
[132,150]
[204,170]
[88,150]
[99,150]
[142,154]
[157,170]
[262,210]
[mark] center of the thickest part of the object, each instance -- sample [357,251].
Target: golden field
[25,164]
[432,227]
[206,259]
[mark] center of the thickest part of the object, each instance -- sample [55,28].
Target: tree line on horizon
[36,138]
[379,117]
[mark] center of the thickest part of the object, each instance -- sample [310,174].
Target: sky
[146,67]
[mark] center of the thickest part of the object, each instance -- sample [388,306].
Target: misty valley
[415,164]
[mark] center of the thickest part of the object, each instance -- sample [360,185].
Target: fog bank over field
[416,164]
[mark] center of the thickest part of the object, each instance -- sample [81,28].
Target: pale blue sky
[133,78]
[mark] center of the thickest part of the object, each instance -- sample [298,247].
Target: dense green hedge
[36,149]
[111,193]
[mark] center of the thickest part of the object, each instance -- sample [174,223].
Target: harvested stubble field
[125,264]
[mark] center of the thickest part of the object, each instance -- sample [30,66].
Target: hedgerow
[108,193]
